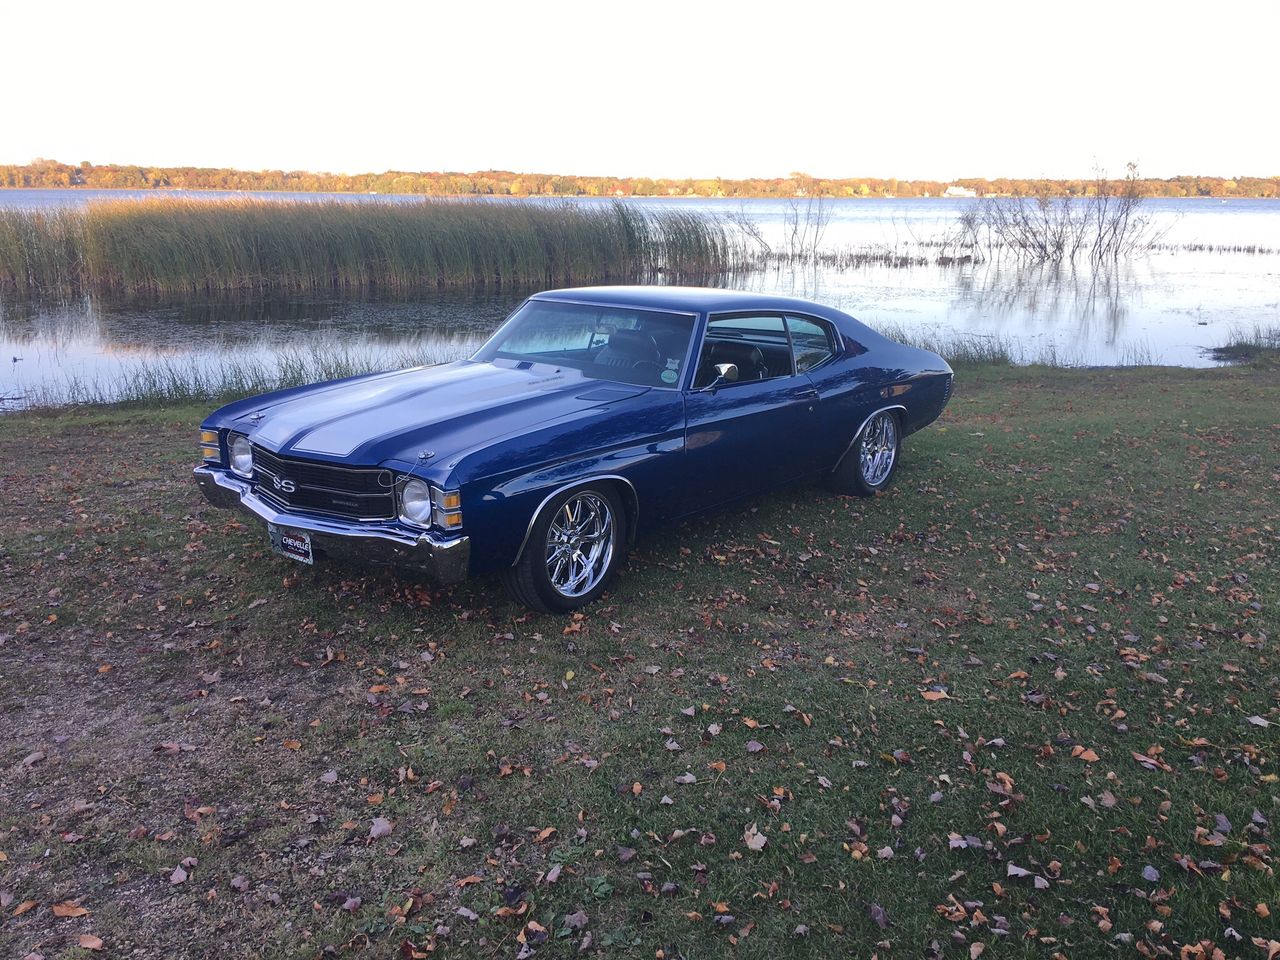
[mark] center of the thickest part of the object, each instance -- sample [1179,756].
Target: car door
[834,366]
[756,433]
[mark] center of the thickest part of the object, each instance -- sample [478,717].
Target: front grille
[359,492]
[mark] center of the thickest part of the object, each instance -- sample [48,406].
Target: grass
[1049,648]
[1257,345]
[167,246]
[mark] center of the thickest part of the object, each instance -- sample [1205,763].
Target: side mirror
[725,373]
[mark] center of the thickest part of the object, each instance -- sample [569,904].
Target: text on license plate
[295,544]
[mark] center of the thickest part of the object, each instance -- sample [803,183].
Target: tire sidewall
[535,550]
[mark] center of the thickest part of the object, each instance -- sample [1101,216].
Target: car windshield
[644,347]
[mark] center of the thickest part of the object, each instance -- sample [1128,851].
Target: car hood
[444,409]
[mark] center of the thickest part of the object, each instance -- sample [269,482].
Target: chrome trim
[857,433]
[635,503]
[542,298]
[446,559]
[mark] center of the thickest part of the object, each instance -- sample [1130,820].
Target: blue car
[592,416]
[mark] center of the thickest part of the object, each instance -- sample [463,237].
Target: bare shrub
[1105,227]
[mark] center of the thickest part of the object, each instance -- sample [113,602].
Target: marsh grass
[1256,345]
[168,246]
[227,375]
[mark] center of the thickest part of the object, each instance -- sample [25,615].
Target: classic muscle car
[590,417]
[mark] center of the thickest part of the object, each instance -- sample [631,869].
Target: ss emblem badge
[288,486]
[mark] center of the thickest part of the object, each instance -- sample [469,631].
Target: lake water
[1165,307]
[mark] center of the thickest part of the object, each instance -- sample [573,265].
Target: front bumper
[446,560]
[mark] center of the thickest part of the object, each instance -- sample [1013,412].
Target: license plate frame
[292,543]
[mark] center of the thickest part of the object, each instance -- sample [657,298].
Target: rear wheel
[871,462]
[572,552]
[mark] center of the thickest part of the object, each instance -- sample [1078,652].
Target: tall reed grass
[168,246]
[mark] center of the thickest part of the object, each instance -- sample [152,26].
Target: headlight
[415,503]
[241,456]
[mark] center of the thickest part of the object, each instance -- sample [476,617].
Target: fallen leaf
[69,908]
[89,942]
[754,839]
[381,827]
[934,695]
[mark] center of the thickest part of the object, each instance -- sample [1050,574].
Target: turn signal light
[448,513]
[209,449]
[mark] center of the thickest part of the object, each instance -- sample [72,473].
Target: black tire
[530,579]
[860,473]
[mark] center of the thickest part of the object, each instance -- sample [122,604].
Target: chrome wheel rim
[878,449]
[579,544]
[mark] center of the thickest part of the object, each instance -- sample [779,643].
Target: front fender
[638,445]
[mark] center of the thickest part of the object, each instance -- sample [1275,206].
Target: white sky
[908,89]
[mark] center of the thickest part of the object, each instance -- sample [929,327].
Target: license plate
[294,544]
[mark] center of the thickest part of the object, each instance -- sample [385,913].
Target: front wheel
[870,463]
[572,552]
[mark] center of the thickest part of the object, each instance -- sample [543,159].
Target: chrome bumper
[446,560]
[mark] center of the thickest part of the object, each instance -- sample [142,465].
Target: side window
[812,342]
[756,344]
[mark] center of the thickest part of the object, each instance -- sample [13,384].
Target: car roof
[688,299]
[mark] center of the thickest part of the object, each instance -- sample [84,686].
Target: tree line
[52,174]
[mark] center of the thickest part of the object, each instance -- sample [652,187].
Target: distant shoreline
[132,192]
[52,175]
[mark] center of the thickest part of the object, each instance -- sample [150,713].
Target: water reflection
[1092,304]
[87,349]
[1165,308]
